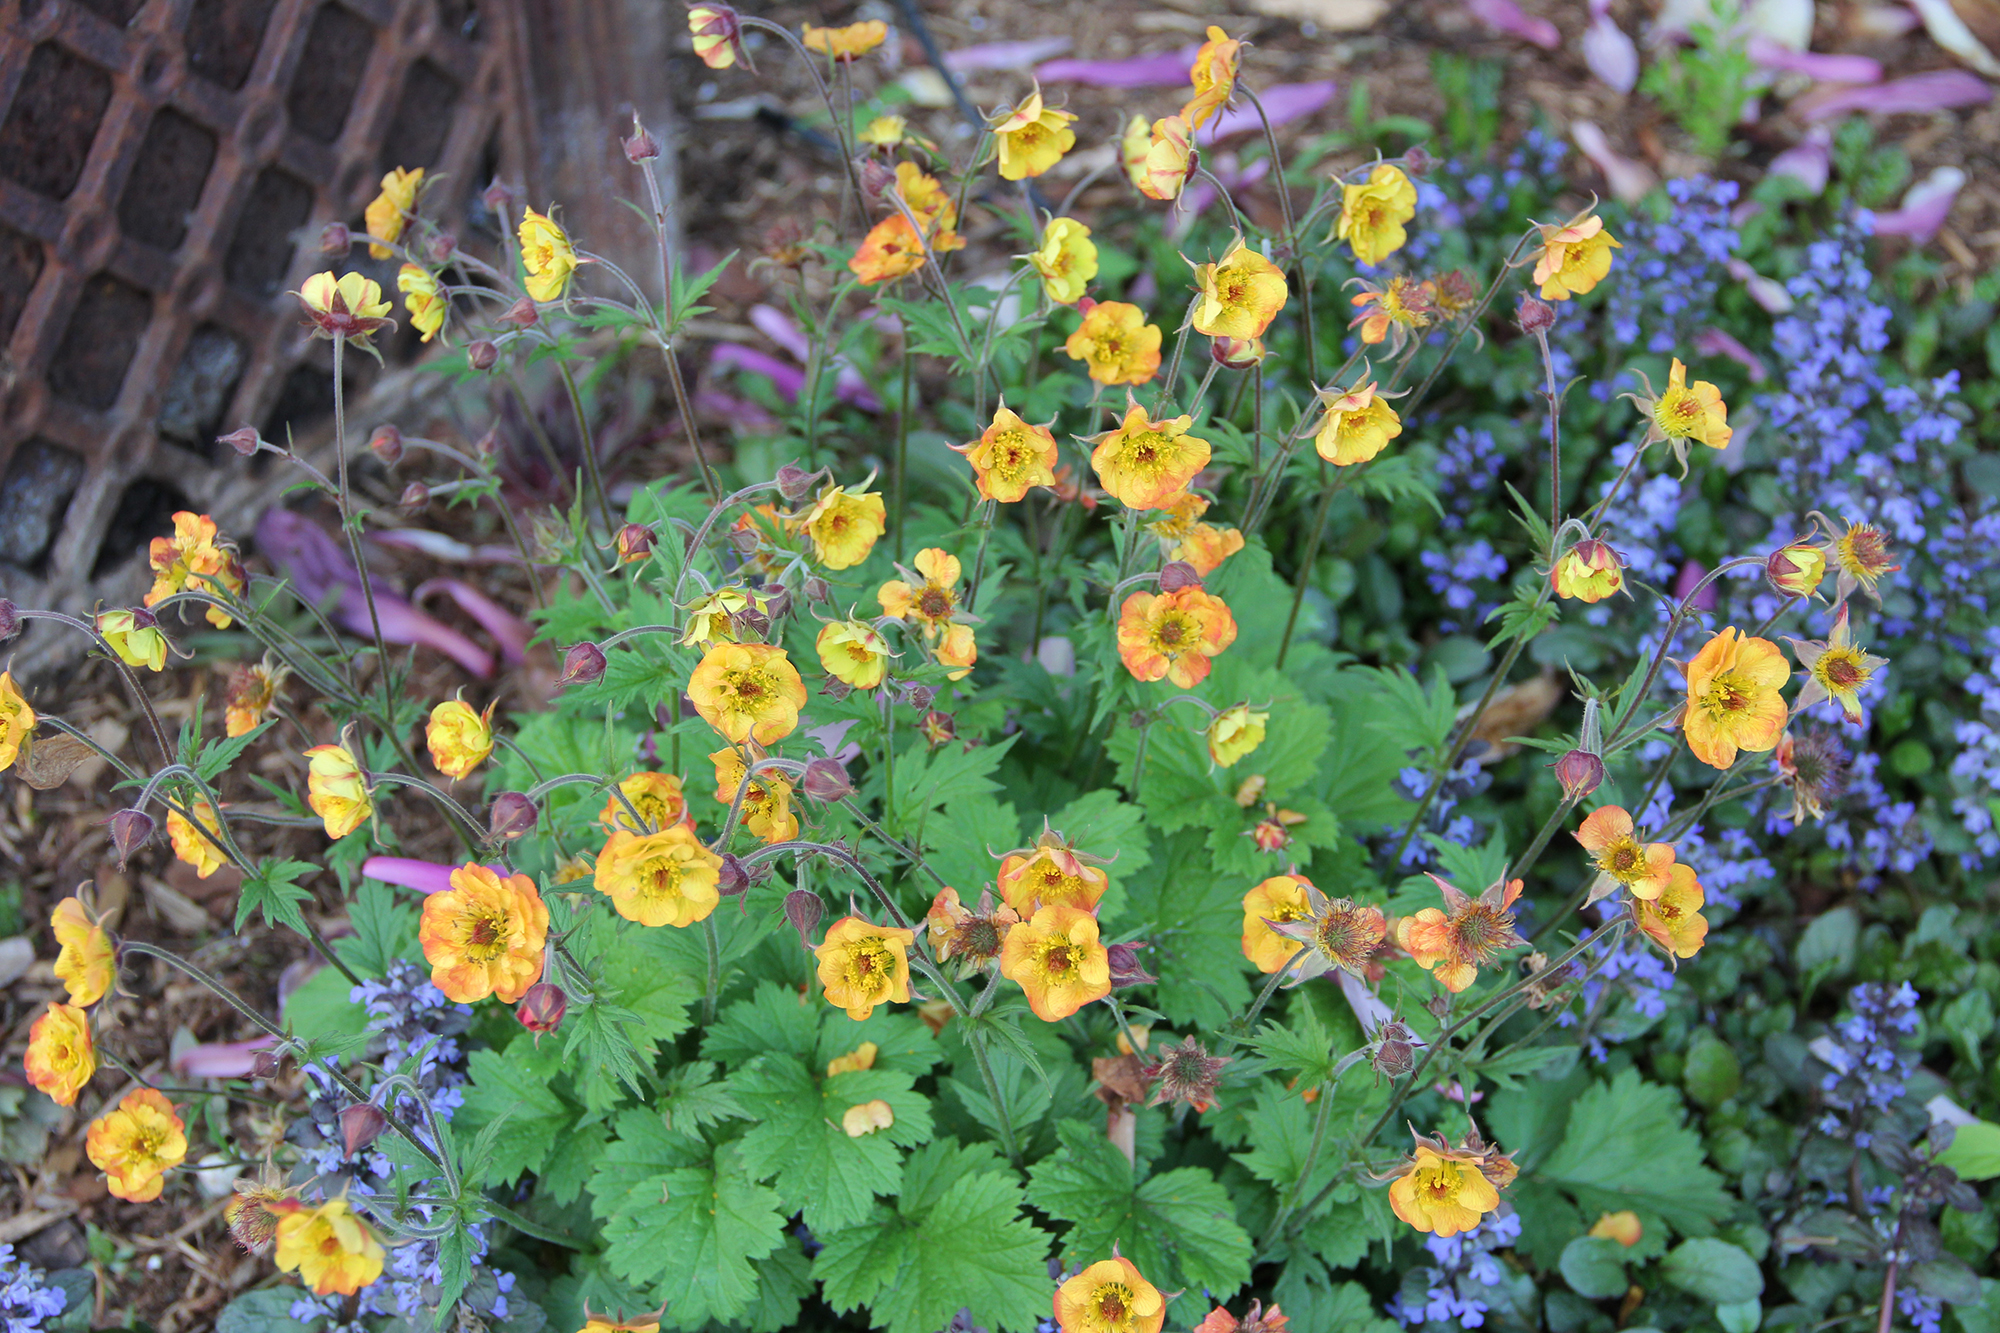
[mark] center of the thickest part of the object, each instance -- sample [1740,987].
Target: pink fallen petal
[741,412]
[849,387]
[1509,18]
[426,877]
[1714,342]
[1155,71]
[1611,54]
[1283,103]
[783,330]
[1694,572]
[508,630]
[440,547]
[1768,293]
[1201,194]
[221,1059]
[1939,90]
[1005,55]
[1924,207]
[1809,160]
[1825,68]
[1629,181]
[789,380]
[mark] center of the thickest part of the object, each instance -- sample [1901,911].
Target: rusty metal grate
[165,166]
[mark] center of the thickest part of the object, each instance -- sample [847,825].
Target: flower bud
[1417,162]
[1623,1227]
[265,1064]
[920,697]
[143,619]
[635,543]
[1270,836]
[804,909]
[360,1125]
[335,240]
[488,445]
[498,198]
[1589,571]
[876,179]
[817,590]
[511,815]
[777,601]
[938,728]
[1125,968]
[1178,574]
[826,780]
[481,355]
[1236,353]
[1395,1052]
[387,444]
[732,879]
[1535,315]
[442,247]
[750,624]
[541,1008]
[1579,772]
[10,620]
[1796,570]
[522,314]
[582,665]
[245,441]
[641,147]
[794,483]
[415,496]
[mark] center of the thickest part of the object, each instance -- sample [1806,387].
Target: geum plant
[957,1102]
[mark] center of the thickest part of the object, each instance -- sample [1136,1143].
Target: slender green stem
[903,444]
[915,858]
[1323,1114]
[983,516]
[588,441]
[353,535]
[1312,553]
[975,1041]
[714,945]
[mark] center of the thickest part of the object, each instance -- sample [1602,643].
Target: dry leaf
[1330,15]
[1517,711]
[1959,25]
[47,761]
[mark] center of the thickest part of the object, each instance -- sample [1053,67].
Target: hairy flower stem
[1170,382]
[469,830]
[839,124]
[588,441]
[714,948]
[345,497]
[1292,239]
[667,324]
[1631,706]
[1458,334]
[1555,436]
[983,517]
[914,857]
[139,696]
[1327,492]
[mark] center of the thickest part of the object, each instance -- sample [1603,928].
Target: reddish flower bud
[826,780]
[1417,162]
[1395,1052]
[1125,968]
[938,728]
[750,624]
[10,620]
[415,496]
[265,1064]
[876,179]
[920,697]
[582,665]
[1236,353]
[541,1008]
[794,483]
[1796,570]
[522,314]
[1178,574]
[335,240]
[481,355]
[511,815]
[488,445]
[387,444]
[818,590]
[804,909]
[777,602]
[245,441]
[1270,835]
[442,246]
[1579,772]
[1535,315]
[360,1125]
[498,198]
[641,147]
[143,619]
[635,543]
[732,879]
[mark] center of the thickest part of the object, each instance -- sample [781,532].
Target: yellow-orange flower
[974,938]
[1454,947]
[546,254]
[484,935]
[748,691]
[1674,920]
[252,691]
[656,796]
[1337,932]
[1398,311]
[1574,257]
[862,965]
[459,739]
[847,44]
[336,790]
[1733,700]
[1796,570]
[1442,1192]
[1010,457]
[136,1145]
[659,879]
[1684,412]
[387,213]
[1862,554]
[767,802]
[890,131]
[717,33]
[853,652]
[330,1248]
[17,721]
[604,1323]
[1050,873]
[1622,1226]
[1280,899]
[349,307]
[1179,517]
[1835,668]
[1213,75]
[60,1057]
[1110,1297]
[1132,150]
[930,604]
[1241,294]
[1372,214]
[424,297]
[931,204]
[193,846]
[844,525]
[1589,571]
[1116,343]
[1620,857]
[1207,546]
[1235,732]
[1031,138]
[193,558]
[1357,426]
[1056,958]
[86,963]
[958,648]
[1170,158]
[1145,463]
[1173,634]
[1067,260]
[890,250]
[711,617]
[137,642]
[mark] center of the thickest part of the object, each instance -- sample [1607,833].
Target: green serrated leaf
[508,1097]
[799,1139]
[384,930]
[273,891]
[1625,1147]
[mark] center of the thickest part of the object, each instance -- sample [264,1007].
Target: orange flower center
[485,934]
[1726,694]
[1112,1302]
[1840,669]
[934,603]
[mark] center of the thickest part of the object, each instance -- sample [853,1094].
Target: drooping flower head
[1117,345]
[1835,668]
[711,617]
[1574,257]
[547,255]
[136,1144]
[892,132]
[1168,158]
[349,307]
[1861,553]
[1235,732]
[1373,212]
[484,935]
[1814,764]
[388,213]
[1145,463]
[929,598]
[253,1212]
[844,525]
[1132,149]
[767,801]
[1241,294]
[748,691]
[1052,872]
[1067,260]
[892,249]
[200,846]
[1394,313]
[1206,547]
[1110,1297]
[1032,137]
[1796,570]
[1733,700]
[1173,634]
[1359,423]
[253,689]
[337,790]
[194,558]
[718,34]
[854,653]
[959,649]
[1454,944]
[657,798]
[974,937]
[932,206]
[135,636]
[1674,920]
[1213,75]
[61,1057]
[17,721]
[1279,901]
[1683,412]
[1446,1190]
[862,965]
[331,1249]
[1337,932]
[1013,456]
[1589,571]
[847,44]
[1620,857]
[1057,960]
[425,298]
[459,739]
[659,879]
[86,961]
